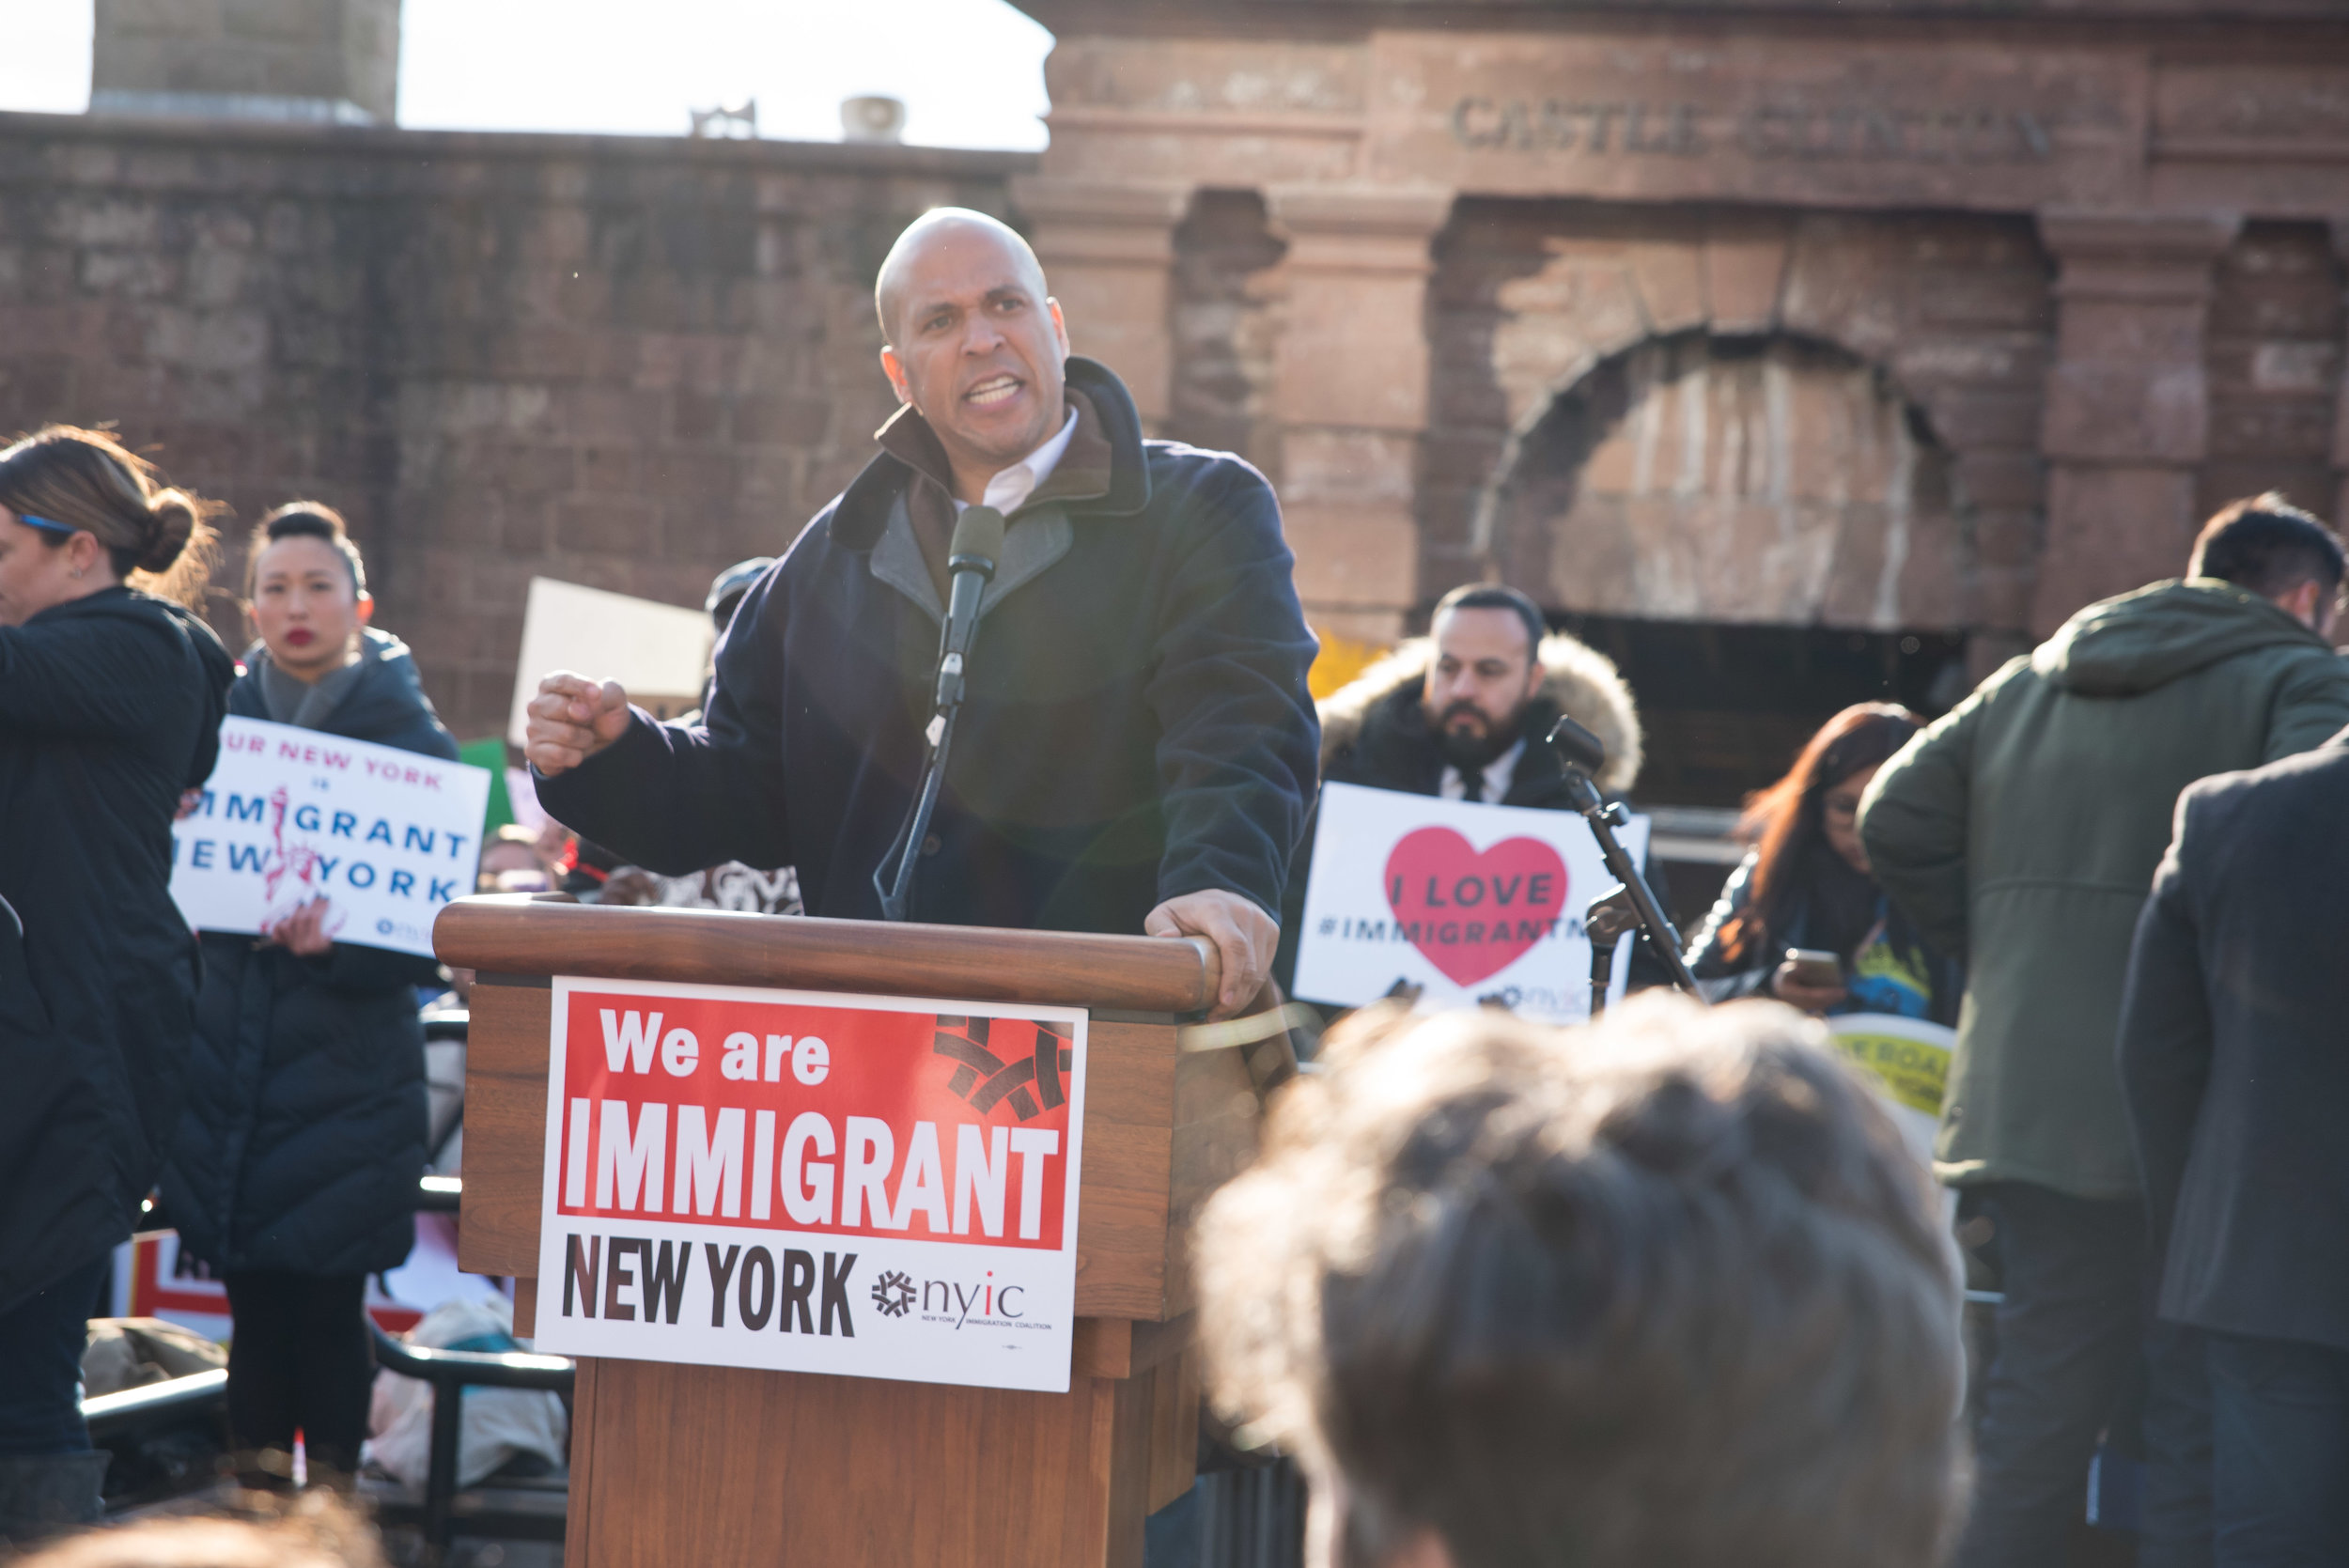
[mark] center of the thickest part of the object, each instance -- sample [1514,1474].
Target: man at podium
[1136,748]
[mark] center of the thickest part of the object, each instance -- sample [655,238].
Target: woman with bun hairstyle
[111,696]
[1806,884]
[294,1171]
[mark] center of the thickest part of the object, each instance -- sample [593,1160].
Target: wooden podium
[717,1466]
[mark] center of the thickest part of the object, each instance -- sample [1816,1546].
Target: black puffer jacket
[110,706]
[305,1128]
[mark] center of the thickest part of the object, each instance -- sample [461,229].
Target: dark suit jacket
[2234,1052]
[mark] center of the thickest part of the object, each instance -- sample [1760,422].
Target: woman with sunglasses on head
[1805,888]
[294,1172]
[111,696]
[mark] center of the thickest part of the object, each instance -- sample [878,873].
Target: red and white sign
[874,1187]
[1467,902]
[154,1278]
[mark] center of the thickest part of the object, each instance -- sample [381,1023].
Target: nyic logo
[946,1302]
[893,1293]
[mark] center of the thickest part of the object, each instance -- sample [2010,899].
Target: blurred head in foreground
[1662,1292]
[310,1532]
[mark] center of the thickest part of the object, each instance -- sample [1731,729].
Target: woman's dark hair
[305,520]
[1787,818]
[88,482]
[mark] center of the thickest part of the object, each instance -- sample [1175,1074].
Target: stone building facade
[1910,321]
[1794,351]
[625,363]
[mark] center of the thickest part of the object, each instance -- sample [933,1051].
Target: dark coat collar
[863,510]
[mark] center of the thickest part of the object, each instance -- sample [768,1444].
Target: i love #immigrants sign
[1467,902]
[289,815]
[810,1182]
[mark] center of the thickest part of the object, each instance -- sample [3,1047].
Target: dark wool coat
[303,1133]
[1137,727]
[2231,1053]
[110,706]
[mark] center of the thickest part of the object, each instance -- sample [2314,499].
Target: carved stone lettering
[1767,131]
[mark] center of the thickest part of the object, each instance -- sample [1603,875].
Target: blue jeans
[2280,1439]
[41,1367]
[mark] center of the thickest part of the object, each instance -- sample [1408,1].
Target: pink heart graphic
[1474,915]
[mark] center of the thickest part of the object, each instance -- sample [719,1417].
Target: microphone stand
[978,541]
[1607,921]
[1583,752]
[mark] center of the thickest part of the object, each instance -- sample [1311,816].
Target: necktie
[1472,784]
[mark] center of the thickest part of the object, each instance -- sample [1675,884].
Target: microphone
[1577,746]
[1584,754]
[971,557]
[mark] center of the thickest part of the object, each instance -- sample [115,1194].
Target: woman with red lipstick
[294,1171]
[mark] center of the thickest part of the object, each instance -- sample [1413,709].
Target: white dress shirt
[1498,775]
[1014,485]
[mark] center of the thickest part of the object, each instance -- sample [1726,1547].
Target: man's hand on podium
[571,719]
[1243,934]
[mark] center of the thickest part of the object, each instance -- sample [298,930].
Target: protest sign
[289,815]
[1909,1060]
[658,652]
[1467,902]
[155,1276]
[864,1186]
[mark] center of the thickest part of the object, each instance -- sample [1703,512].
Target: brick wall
[626,362]
[2272,352]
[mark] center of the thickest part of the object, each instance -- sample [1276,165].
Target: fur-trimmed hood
[1578,681]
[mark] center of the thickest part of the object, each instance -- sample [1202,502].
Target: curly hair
[1668,1292]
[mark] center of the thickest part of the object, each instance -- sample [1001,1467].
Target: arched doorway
[1760,530]
[1705,478]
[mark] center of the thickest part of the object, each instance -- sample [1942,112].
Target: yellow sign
[1910,1057]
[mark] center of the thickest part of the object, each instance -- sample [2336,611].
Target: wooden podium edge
[521,934]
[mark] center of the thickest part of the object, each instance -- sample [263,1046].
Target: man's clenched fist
[571,719]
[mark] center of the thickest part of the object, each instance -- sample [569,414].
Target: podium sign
[812,1181]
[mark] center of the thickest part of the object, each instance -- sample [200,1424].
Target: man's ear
[1534,676]
[366,608]
[1060,326]
[896,371]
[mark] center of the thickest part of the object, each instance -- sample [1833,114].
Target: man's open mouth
[995,389]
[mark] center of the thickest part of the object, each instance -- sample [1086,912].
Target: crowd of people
[1667,1289]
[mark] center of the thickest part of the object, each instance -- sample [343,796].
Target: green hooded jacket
[2022,829]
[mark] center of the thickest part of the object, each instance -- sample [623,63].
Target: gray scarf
[309,703]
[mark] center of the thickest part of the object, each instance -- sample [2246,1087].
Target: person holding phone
[1802,919]
[293,1174]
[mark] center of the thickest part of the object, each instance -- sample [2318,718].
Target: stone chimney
[323,62]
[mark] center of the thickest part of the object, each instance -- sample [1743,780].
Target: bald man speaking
[1137,747]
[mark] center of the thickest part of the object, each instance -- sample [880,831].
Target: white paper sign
[658,652]
[1467,902]
[1909,1060]
[873,1187]
[386,836]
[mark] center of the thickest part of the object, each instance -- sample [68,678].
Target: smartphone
[1816,967]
